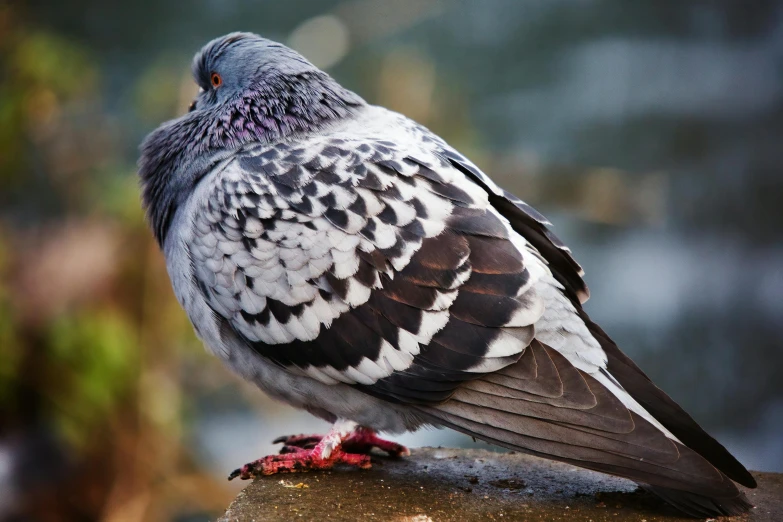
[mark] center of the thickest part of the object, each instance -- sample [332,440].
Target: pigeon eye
[216,80]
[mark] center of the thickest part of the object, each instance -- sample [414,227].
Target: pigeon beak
[192,106]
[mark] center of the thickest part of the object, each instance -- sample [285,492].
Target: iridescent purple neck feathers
[180,152]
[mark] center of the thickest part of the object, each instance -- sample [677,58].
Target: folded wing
[353,261]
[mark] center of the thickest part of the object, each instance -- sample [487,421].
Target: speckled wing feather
[362,262]
[529,223]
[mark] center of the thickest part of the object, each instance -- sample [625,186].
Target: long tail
[543,405]
[700,506]
[665,410]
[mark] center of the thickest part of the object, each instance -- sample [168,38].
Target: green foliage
[158,90]
[39,74]
[115,193]
[44,59]
[9,349]
[94,357]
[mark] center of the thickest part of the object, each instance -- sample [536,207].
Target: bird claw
[286,449]
[361,440]
[299,461]
[300,441]
[302,453]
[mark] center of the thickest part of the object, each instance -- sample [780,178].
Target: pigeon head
[250,90]
[238,64]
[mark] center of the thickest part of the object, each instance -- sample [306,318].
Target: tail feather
[689,473]
[699,506]
[666,411]
[683,483]
[596,432]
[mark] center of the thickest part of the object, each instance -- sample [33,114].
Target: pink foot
[344,444]
[293,443]
[361,441]
[299,461]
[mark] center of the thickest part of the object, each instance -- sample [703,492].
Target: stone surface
[463,485]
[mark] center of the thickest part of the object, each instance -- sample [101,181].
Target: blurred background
[649,132]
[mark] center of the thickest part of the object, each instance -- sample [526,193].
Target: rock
[462,485]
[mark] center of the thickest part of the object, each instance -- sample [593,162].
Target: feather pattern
[364,262]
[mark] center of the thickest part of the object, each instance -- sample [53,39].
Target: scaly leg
[360,440]
[327,452]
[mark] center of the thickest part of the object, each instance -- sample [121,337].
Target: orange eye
[216,80]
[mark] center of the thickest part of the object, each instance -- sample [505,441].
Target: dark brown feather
[545,381]
[497,284]
[568,272]
[444,252]
[407,292]
[565,269]
[666,411]
[593,437]
[476,221]
[494,256]
[425,276]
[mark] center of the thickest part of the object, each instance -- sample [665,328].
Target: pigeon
[349,262]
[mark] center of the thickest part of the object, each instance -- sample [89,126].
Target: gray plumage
[351,263]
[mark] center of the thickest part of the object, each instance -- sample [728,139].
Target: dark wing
[698,451]
[544,406]
[565,269]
